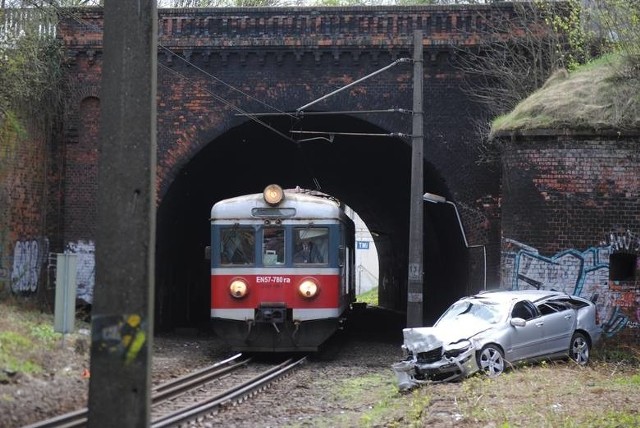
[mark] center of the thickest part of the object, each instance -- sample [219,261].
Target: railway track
[196,394]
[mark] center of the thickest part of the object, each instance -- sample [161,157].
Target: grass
[552,394]
[26,338]
[370,297]
[370,400]
[12,348]
[602,94]
[387,401]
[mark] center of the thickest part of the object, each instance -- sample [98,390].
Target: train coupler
[276,327]
[271,313]
[296,324]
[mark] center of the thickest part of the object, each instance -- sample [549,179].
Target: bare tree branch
[514,59]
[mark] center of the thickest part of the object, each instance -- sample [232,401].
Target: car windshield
[473,310]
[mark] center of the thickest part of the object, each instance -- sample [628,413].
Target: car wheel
[491,360]
[579,349]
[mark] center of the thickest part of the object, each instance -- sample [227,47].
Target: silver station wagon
[494,329]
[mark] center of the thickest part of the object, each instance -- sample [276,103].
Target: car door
[559,324]
[526,340]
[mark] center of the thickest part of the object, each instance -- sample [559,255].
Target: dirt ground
[62,386]
[351,385]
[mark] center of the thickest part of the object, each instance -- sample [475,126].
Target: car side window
[524,310]
[551,307]
[572,303]
[546,309]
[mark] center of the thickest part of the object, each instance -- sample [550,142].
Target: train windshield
[237,245]
[311,245]
[273,246]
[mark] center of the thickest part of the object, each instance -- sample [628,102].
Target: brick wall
[565,192]
[80,184]
[570,213]
[23,198]
[285,58]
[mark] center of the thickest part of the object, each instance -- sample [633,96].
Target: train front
[281,270]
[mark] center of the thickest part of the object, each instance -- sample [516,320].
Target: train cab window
[311,245]
[273,249]
[237,245]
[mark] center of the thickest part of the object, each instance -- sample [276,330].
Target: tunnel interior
[371,174]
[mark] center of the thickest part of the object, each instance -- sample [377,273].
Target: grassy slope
[27,339]
[603,94]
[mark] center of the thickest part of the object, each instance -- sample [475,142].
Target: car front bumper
[411,372]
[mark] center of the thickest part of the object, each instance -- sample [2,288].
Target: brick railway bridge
[227,78]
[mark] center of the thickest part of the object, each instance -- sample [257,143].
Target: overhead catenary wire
[222,82]
[328,113]
[295,115]
[394,63]
[75,17]
[73,14]
[231,105]
[299,113]
[255,116]
[226,102]
[358,134]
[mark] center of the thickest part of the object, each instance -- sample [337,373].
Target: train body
[282,270]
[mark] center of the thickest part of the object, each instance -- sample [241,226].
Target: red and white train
[282,269]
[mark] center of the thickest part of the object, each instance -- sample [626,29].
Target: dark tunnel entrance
[370,174]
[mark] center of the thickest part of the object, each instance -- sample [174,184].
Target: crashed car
[494,329]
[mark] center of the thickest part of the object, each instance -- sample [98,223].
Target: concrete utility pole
[122,321]
[415,289]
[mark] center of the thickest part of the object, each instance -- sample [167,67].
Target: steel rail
[79,418]
[235,393]
[179,385]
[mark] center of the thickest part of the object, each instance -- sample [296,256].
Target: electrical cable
[215,96]
[296,117]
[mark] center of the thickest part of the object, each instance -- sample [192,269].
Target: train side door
[347,262]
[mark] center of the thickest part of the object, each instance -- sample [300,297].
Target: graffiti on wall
[625,242]
[582,273]
[28,259]
[30,256]
[86,268]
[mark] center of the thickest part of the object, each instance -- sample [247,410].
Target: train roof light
[273,194]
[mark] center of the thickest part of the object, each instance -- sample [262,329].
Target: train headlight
[308,289]
[238,288]
[273,194]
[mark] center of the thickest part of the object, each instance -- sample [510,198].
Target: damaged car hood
[420,339]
